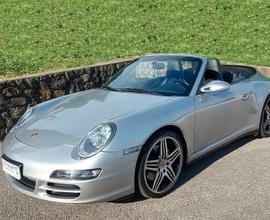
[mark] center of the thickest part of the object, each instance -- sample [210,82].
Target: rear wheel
[265,120]
[161,164]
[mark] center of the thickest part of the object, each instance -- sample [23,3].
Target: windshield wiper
[138,91]
[130,90]
[110,88]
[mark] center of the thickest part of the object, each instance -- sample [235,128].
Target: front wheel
[265,120]
[160,165]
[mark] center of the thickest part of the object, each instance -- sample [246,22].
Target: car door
[220,114]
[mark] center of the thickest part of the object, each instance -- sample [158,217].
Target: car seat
[212,70]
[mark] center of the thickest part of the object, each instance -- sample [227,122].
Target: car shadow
[197,167]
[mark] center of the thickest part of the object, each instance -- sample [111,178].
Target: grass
[38,35]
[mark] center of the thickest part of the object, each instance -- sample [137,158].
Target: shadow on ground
[191,171]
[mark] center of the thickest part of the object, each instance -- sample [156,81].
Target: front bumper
[115,181]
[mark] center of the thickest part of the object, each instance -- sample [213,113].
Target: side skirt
[214,147]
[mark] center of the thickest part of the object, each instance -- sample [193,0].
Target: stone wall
[18,93]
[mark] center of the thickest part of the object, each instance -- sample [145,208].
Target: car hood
[68,121]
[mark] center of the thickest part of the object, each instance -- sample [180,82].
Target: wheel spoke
[267,109]
[266,123]
[170,174]
[174,155]
[157,181]
[163,148]
[152,165]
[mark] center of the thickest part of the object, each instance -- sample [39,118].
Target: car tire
[264,130]
[160,164]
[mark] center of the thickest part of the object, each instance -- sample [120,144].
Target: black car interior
[235,73]
[229,73]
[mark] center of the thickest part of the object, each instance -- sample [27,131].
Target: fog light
[76,174]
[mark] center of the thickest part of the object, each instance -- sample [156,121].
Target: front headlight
[24,118]
[97,139]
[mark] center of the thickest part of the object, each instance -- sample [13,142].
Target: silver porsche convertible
[136,133]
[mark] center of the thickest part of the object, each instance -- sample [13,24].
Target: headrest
[213,64]
[174,66]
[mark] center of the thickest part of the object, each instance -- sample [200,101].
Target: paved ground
[233,183]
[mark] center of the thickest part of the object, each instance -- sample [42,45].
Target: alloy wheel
[163,165]
[266,118]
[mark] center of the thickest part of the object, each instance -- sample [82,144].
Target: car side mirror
[216,86]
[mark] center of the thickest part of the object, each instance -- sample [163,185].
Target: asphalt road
[232,183]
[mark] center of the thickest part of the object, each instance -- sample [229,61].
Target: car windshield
[160,75]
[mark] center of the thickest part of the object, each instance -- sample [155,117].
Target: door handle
[245,97]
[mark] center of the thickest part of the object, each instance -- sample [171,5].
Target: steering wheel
[176,81]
